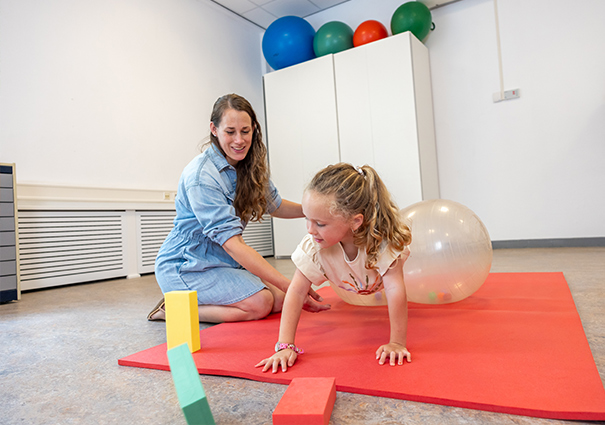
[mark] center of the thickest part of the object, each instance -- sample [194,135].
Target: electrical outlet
[508,94]
[511,94]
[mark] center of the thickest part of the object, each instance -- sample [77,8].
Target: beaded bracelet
[282,346]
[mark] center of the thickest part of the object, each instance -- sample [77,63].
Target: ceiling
[264,12]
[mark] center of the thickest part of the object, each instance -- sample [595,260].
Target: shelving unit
[10,289]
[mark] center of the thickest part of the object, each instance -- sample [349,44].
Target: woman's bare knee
[258,306]
[278,297]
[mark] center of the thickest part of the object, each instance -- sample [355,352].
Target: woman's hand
[284,358]
[311,303]
[395,352]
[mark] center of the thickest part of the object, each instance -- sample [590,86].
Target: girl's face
[234,134]
[327,229]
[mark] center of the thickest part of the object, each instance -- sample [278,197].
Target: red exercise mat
[516,346]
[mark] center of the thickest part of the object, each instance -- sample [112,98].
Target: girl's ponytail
[383,224]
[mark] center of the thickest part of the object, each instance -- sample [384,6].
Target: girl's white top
[331,264]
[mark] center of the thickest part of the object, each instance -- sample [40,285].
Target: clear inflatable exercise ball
[451,252]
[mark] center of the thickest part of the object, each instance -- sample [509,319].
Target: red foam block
[307,401]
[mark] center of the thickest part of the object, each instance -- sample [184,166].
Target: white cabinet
[302,136]
[385,114]
[367,105]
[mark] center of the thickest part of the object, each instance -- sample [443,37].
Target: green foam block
[189,389]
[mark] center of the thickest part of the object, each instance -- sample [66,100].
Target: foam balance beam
[307,401]
[189,389]
[182,319]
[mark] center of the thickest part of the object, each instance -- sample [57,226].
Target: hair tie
[360,171]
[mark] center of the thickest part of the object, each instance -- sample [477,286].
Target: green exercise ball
[332,37]
[412,16]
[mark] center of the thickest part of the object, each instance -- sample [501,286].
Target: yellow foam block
[182,320]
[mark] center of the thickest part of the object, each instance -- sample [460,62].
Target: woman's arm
[252,261]
[288,209]
[295,298]
[394,288]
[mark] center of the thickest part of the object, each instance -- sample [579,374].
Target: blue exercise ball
[288,41]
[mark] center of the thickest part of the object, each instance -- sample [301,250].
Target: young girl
[355,231]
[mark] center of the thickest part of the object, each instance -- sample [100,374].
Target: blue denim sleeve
[215,213]
[273,198]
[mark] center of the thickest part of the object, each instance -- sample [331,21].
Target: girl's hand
[395,352]
[285,358]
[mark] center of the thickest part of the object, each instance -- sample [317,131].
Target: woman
[221,190]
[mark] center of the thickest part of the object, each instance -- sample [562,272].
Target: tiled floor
[59,350]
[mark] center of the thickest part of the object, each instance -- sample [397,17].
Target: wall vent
[64,247]
[260,236]
[154,226]
[152,229]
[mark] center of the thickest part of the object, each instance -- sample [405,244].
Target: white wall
[117,93]
[533,167]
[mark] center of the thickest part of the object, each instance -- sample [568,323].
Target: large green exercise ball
[412,16]
[288,41]
[332,37]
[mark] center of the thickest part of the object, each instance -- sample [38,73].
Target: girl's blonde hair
[252,186]
[360,190]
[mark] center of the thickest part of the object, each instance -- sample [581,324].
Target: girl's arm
[288,209]
[295,297]
[394,288]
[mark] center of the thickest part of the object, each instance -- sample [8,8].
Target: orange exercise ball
[369,31]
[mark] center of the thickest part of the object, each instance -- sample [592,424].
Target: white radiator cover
[152,229]
[260,236]
[154,226]
[75,234]
[65,247]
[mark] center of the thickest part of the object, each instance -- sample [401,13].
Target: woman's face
[234,134]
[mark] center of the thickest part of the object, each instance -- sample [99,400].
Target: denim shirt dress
[192,257]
